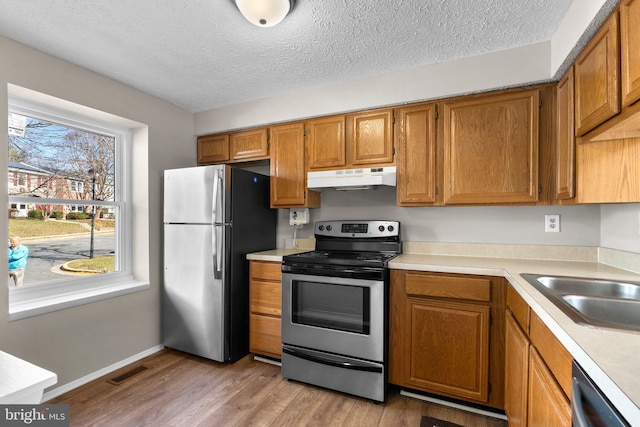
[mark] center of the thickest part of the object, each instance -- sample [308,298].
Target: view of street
[46,255]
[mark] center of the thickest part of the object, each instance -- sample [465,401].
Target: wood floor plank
[181,390]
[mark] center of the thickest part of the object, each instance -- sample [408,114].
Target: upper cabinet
[491,148]
[630,50]
[565,138]
[351,141]
[248,145]
[213,149]
[370,138]
[416,155]
[326,143]
[288,172]
[597,82]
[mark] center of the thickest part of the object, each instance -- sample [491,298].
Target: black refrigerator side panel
[253,229]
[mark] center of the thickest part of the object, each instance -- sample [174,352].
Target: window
[69,198]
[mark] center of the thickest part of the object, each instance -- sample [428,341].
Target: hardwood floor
[178,389]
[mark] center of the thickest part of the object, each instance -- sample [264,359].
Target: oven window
[338,307]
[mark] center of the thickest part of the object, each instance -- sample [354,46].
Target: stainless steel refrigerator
[213,217]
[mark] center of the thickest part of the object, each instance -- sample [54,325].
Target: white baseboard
[453,405]
[99,373]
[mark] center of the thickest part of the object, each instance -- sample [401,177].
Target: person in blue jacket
[17,255]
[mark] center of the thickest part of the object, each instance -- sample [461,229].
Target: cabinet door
[416,157]
[288,173]
[565,139]
[213,149]
[264,336]
[630,49]
[596,78]
[326,143]
[370,138]
[516,369]
[249,145]
[448,348]
[547,406]
[491,149]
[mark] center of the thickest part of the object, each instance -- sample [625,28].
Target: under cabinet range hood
[353,179]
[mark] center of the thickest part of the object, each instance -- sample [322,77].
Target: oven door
[345,316]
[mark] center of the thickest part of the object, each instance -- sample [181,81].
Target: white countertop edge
[275,255]
[552,316]
[22,381]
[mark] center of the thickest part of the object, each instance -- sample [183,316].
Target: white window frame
[39,298]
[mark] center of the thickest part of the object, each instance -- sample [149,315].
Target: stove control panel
[357,229]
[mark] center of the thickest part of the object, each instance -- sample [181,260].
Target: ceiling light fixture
[264,13]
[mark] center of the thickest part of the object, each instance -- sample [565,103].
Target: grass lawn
[99,264]
[37,227]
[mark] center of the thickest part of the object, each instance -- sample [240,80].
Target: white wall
[78,341]
[621,227]
[580,225]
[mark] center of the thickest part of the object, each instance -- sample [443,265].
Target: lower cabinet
[537,370]
[446,335]
[265,296]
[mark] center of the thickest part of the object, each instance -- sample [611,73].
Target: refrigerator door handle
[216,242]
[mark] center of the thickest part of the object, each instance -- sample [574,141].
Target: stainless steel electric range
[335,310]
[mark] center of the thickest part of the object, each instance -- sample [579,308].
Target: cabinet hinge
[267,145]
[490,319]
[436,190]
[393,151]
[436,114]
[489,389]
[540,103]
[539,188]
[393,118]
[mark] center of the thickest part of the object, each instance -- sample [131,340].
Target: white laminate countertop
[610,357]
[275,254]
[22,382]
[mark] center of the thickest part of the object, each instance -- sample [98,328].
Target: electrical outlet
[298,216]
[552,223]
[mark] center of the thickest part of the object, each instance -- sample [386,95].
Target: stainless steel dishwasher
[589,406]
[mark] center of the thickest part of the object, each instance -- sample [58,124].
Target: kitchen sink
[596,302]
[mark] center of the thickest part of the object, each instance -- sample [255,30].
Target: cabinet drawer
[469,288]
[266,270]
[266,297]
[265,335]
[552,351]
[519,308]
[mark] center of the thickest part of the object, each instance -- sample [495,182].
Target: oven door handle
[331,361]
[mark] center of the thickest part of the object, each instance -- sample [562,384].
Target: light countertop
[22,382]
[274,254]
[610,357]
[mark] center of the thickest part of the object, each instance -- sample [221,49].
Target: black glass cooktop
[344,258]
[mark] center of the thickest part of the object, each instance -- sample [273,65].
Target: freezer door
[193,299]
[194,195]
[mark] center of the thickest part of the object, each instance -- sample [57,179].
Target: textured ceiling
[200,54]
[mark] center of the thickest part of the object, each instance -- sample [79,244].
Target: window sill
[24,305]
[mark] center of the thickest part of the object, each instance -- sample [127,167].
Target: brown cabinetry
[326,143]
[441,338]
[491,148]
[288,172]
[265,301]
[565,138]
[370,138]
[630,50]
[597,82]
[350,141]
[416,155]
[240,146]
[537,370]
[213,149]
